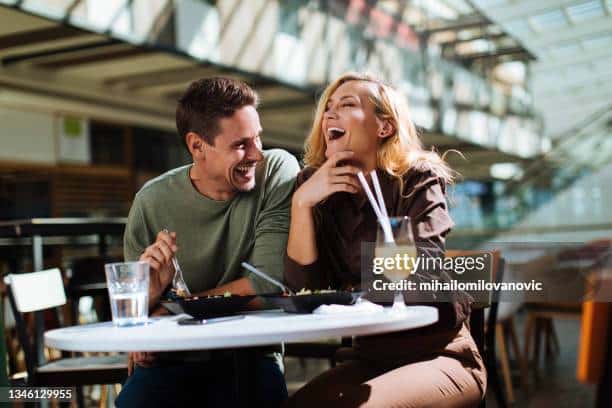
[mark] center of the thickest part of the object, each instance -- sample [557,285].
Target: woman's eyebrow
[330,100]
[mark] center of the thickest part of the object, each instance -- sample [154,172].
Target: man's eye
[240,146]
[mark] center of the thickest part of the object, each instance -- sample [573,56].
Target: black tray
[207,307]
[308,303]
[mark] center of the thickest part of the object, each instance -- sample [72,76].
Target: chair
[88,279]
[39,291]
[484,330]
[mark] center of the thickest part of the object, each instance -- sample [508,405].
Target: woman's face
[349,123]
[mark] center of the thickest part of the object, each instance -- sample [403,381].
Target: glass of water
[128,289]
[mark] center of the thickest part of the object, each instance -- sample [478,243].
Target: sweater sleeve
[272,223]
[137,235]
[298,276]
[427,208]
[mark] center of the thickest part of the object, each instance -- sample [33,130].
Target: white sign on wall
[73,140]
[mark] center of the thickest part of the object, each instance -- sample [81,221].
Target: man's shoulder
[280,165]
[163,181]
[280,158]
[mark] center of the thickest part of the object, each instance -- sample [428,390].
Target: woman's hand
[328,179]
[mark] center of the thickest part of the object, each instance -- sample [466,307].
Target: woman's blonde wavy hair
[398,153]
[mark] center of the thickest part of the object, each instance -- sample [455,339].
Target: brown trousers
[455,377]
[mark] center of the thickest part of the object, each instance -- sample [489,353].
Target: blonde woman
[363,124]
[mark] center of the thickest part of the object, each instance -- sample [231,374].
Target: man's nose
[255,153]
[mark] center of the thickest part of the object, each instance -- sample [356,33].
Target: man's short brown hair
[206,101]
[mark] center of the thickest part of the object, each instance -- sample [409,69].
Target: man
[230,205]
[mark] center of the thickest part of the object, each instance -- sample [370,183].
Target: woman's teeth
[335,133]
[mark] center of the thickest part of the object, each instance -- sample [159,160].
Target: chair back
[36,290]
[33,292]
[490,273]
[88,279]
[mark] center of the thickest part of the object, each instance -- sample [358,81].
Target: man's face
[231,160]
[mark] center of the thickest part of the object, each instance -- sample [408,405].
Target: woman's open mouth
[335,133]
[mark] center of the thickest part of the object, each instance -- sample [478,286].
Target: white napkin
[361,306]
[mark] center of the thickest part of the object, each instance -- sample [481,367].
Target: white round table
[255,329]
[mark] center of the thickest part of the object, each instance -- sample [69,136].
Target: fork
[178,282]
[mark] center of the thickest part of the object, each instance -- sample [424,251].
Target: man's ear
[196,145]
[385,128]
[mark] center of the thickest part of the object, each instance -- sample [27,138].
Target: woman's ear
[196,145]
[385,128]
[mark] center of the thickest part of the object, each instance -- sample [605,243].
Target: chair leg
[492,373]
[103,396]
[529,328]
[520,359]
[505,364]
[80,399]
[536,346]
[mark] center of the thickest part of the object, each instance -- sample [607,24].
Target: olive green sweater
[214,237]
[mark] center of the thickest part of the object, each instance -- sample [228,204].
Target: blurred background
[521,88]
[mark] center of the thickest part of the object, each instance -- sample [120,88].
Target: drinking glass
[404,247]
[128,289]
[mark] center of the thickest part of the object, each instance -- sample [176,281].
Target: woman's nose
[330,113]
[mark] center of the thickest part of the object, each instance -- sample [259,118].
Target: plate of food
[205,307]
[305,301]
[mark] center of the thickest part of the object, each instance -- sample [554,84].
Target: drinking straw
[384,221]
[381,199]
[386,225]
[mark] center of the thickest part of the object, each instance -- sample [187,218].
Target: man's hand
[142,358]
[159,256]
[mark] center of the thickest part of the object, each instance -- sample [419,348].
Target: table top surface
[255,329]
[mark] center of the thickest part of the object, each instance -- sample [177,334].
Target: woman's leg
[439,382]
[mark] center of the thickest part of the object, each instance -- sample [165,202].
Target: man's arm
[272,223]
[140,244]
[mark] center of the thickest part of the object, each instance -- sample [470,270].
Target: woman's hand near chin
[327,180]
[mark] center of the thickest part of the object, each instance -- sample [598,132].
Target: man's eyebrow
[240,141]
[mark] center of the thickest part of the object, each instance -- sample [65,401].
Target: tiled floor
[556,385]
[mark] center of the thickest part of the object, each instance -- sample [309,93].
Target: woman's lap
[440,382]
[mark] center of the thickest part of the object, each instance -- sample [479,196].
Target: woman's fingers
[342,170]
[336,157]
[351,180]
[343,187]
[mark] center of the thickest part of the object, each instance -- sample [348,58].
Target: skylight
[585,11]
[549,20]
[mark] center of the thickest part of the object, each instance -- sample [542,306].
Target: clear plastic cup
[128,289]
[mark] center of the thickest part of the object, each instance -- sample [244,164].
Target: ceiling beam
[159,77]
[493,54]
[463,23]
[42,35]
[98,57]
[14,59]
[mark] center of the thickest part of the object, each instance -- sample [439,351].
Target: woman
[361,125]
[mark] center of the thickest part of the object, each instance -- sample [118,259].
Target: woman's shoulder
[422,176]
